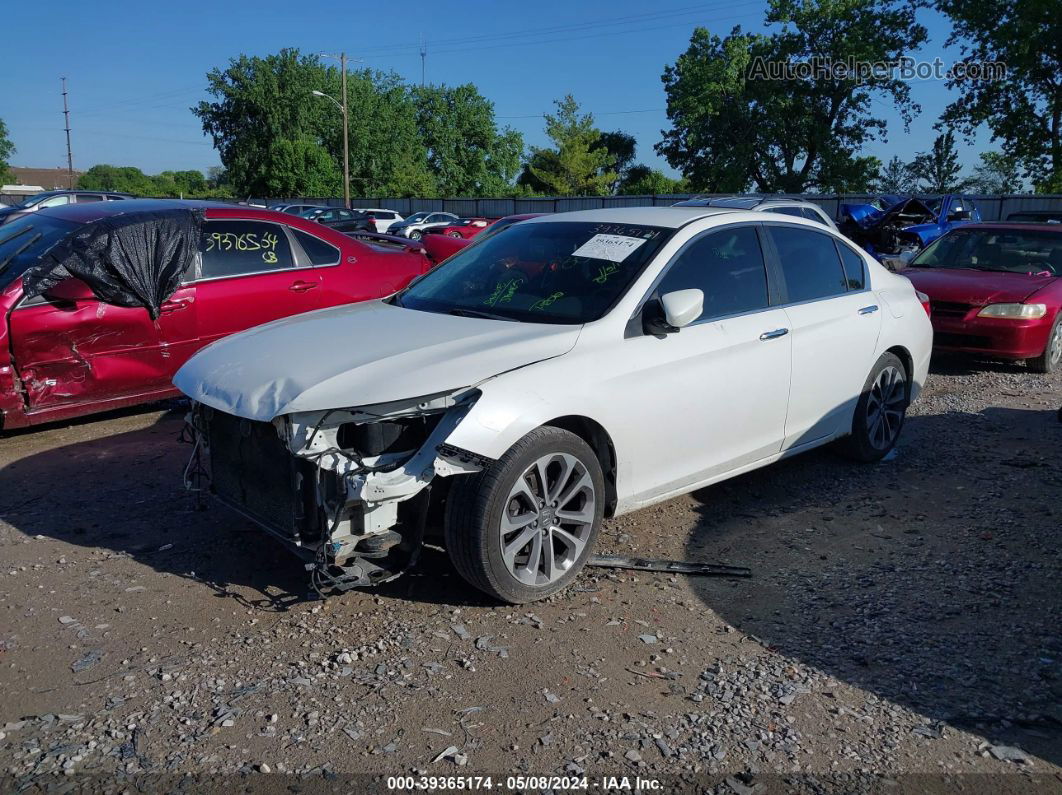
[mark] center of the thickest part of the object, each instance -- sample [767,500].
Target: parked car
[1036,217]
[384,219]
[996,290]
[67,353]
[57,198]
[415,225]
[781,205]
[299,209]
[894,228]
[439,247]
[340,219]
[573,367]
[463,227]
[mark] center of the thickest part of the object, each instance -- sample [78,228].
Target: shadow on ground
[931,580]
[123,492]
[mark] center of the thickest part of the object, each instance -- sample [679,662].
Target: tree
[577,167]
[1023,109]
[641,180]
[7,148]
[744,111]
[467,154]
[276,138]
[998,173]
[189,184]
[621,148]
[937,171]
[895,178]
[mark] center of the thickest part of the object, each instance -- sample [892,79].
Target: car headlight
[1023,311]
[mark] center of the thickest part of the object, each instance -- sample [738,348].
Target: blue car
[896,227]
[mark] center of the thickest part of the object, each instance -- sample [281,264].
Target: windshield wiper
[460,312]
[7,260]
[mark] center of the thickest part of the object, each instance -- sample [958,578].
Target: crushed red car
[996,290]
[102,303]
[438,247]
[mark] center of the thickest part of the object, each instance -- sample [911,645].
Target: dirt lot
[900,632]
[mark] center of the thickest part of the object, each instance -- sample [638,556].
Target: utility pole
[423,58]
[346,134]
[69,152]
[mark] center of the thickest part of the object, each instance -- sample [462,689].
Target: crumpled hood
[975,288]
[359,355]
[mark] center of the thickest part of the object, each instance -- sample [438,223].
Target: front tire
[1051,359]
[415,235]
[880,411]
[522,528]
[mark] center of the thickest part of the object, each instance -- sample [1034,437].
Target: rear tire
[880,411]
[522,528]
[1051,359]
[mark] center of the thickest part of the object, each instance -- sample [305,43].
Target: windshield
[25,240]
[416,218]
[548,272]
[1005,250]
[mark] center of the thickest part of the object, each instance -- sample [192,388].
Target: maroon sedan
[439,247]
[996,290]
[66,352]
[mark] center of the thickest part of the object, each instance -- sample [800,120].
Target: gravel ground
[900,631]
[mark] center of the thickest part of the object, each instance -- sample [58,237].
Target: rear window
[25,240]
[317,251]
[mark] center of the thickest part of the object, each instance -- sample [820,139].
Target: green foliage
[938,170]
[621,148]
[998,173]
[895,177]
[127,179]
[732,127]
[467,154]
[276,138]
[7,148]
[577,166]
[641,180]
[1024,109]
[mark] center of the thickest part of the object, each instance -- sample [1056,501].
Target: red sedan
[439,247]
[463,227]
[996,290]
[66,352]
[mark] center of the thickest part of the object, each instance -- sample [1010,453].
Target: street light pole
[346,135]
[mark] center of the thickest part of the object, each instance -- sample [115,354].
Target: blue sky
[135,68]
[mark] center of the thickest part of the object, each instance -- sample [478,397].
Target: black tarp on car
[132,259]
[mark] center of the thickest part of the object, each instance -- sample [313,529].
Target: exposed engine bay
[349,490]
[884,230]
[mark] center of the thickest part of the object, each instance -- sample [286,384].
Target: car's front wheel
[415,234]
[523,528]
[1051,359]
[880,411]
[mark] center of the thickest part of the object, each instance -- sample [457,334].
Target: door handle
[869,310]
[301,286]
[174,306]
[773,335]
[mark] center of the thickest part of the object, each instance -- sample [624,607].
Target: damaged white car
[574,367]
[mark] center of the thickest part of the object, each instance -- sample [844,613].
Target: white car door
[834,323]
[711,397]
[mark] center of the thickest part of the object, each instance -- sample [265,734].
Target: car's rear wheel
[1051,359]
[880,411]
[523,528]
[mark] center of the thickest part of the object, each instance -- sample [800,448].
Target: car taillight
[924,300]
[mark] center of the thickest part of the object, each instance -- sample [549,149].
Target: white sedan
[574,367]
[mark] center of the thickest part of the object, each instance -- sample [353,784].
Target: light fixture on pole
[343,106]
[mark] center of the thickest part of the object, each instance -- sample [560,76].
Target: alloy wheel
[547,519]
[886,405]
[1054,345]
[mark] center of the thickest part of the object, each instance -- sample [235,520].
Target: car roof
[742,202]
[93,211]
[672,217]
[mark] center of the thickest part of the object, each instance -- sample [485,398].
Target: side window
[56,201]
[85,198]
[327,215]
[795,211]
[809,263]
[727,266]
[811,215]
[232,248]
[855,269]
[317,251]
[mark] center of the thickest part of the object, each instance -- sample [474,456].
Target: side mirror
[672,311]
[682,307]
[70,291]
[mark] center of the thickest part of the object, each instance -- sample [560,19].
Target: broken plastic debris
[87,660]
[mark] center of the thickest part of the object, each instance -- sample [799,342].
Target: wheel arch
[595,435]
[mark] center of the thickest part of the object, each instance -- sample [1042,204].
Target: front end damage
[349,490]
[890,230]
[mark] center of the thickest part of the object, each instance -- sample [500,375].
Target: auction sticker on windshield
[614,248]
